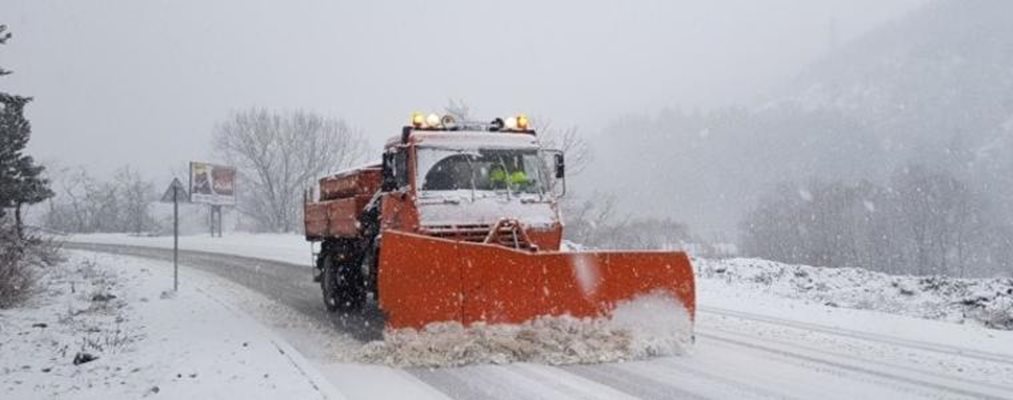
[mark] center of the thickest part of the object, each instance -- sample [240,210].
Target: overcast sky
[143,82]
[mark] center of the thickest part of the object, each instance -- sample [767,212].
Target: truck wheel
[342,288]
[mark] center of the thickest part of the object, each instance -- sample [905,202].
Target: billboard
[212,184]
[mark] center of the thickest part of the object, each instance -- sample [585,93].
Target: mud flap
[424,279]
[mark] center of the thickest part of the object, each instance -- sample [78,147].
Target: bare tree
[927,222]
[66,211]
[458,109]
[85,204]
[944,220]
[589,220]
[278,154]
[573,145]
[136,195]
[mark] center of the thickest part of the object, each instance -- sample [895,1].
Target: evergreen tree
[21,180]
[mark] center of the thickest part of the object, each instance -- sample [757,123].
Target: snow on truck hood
[457,208]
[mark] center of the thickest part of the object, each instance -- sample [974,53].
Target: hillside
[937,80]
[934,88]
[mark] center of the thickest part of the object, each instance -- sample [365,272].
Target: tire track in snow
[519,380]
[873,337]
[871,362]
[914,382]
[560,377]
[700,375]
[637,385]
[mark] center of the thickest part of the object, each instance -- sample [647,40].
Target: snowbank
[110,327]
[648,326]
[988,302]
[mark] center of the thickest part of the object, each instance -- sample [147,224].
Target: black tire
[328,285]
[342,287]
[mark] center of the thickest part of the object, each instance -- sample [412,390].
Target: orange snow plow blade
[423,279]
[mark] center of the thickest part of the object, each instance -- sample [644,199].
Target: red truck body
[342,198]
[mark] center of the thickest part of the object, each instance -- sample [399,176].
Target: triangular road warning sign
[181,195]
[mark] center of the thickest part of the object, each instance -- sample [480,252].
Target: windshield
[511,170]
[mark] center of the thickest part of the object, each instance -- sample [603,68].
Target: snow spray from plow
[648,325]
[424,279]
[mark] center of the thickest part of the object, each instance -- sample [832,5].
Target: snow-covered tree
[925,222]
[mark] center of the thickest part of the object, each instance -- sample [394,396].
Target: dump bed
[342,197]
[358,182]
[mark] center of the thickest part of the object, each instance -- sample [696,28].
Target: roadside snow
[988,302]
[132,337]
[740,284]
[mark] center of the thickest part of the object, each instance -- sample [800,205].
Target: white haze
[143,83]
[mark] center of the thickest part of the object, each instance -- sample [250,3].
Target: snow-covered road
[757,349]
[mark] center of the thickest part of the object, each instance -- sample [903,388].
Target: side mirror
[558,173]
[388,181]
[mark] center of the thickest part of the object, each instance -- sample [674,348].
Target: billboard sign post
[214,185]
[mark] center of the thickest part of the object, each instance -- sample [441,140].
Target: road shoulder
[133,337]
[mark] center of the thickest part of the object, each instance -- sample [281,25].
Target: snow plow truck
[460,223]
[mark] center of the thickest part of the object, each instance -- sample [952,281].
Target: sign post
[175,192]
[175,238]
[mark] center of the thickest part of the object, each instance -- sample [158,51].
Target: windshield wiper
[471,167]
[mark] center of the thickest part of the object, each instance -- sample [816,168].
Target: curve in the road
[291,285]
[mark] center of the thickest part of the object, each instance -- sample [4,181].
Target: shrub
[20,260]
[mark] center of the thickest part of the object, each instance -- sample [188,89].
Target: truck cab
[476,182]
[447,180]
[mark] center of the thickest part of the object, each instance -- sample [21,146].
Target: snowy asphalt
[737,354]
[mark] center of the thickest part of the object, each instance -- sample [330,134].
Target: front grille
[477,233]
[468,233]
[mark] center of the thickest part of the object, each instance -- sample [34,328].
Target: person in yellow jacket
[499,176]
